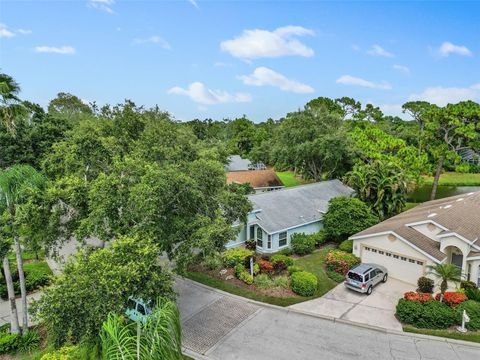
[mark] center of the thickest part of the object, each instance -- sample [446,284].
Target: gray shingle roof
[236,163]
[291,207]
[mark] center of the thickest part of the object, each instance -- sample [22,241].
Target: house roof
[256,178]
[294,206]
[236,163]
[457,214]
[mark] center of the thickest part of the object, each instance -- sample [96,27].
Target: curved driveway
[221,326]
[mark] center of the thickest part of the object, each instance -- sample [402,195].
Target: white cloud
[402,68]
[448,48]
[24,31]
[102,5]
[356,81]
[392,110]
[377,50]
[194,3]
[200,94]
[5,32]
[63,50]
[263,76]
[154,40]
[444,95]
[257,43]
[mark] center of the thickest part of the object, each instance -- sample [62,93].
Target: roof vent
[432,215]
[461,199]
[470,193]
[447,206]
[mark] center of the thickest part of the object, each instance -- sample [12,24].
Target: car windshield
[355,276]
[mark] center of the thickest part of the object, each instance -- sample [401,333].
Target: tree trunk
[21,278]
[437,178]
[14,326]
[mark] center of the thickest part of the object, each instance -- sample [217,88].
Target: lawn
[289,179]
[455,179]
[469,336]
[410,205]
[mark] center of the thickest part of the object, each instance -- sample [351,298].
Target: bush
[246,278]
[302,244]
[320,237]
[213,261]
[239,269]
[346,245]
[37,274]
[266,267]
[473,294]
[340,261]
[281,281]
[428,315]
[29,341]
[251,244]
[415,296]
[67,352]
[279,257]
[304,283]
[8,343]
[235,256]
[468,285]
[463,168]
[294,268]
[452,298]
[473,310]
[335,276]
[263,281]
[256,269]
[425,285]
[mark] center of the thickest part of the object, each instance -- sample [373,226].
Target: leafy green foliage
[347,216]
[429,315]
[281,281]
[37,274]
[29,341]
[340,261]
[473,310]
[232,257]
[8,342]
[95,283]
[335,276]
[292,269]
[446,272]
[213,261]
[288,261]
[304,283]
[425,285]
[346,245]
[302,244]
[473,294]
[263,281]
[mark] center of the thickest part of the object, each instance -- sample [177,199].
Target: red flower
[452,298]
[265,266]
[414,296]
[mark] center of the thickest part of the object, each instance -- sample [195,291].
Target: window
[367,277]
[412,261]
[374,250]
[419,262]
[395,256]
[252,232]
[388,254]
[259,237]
[403,258]
[380,252]
[282,239]
[269,242]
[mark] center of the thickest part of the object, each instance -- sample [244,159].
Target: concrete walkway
[5,308]
[221,326]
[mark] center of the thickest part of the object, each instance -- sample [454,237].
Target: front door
[457,260]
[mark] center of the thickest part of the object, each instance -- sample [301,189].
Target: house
[436,232]
[259,180]
[236,163]
[277,215]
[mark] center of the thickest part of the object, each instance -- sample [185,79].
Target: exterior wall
[240,239]
[475,271]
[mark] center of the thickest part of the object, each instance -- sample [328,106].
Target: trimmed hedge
[473,310]
[235,256]
[303,244]
[429,315]
[304,283]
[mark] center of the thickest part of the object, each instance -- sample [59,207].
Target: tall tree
[11,107]
[418,110]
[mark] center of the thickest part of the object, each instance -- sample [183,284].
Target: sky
[224,59]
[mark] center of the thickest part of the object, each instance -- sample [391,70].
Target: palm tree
[10,105]
[160,337]
[15,184]
[447,272]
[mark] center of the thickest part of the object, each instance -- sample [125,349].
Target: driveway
[377,309]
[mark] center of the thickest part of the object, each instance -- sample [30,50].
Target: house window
[412,261]
[374,250]
[388,254]
[403,258]
[259,237]
[380,252]
[282,239]
[395,256]
[269,242]
[420,262]
[252,232]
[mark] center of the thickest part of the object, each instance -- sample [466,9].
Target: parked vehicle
[364,277]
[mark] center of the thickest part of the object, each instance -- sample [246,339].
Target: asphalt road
[223,327]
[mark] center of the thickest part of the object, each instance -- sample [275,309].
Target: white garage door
[399,266]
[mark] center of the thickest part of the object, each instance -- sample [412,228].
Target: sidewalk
[5,308]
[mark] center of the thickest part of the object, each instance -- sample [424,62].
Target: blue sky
[199,59]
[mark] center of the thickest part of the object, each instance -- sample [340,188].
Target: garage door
[399,266]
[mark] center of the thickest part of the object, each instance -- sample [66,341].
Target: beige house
[439,231]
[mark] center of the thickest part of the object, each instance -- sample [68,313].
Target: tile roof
[294,206]
[256,178]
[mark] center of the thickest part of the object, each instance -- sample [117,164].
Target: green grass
[40,266]
[410,205]
[27,255]
[289,179]
[469,336]
[455,179]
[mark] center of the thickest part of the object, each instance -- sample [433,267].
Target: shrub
[425,285]
[246,278]
[67,352]
[428,315]
[468,285]
[294,268]
[473,294]
[335,276]
[304,283]
[251,244]
[213,261]
[239,269]
[286,252]
[302,244]
[263,281]
[279,257]
[452,298]
[320,237]
[266,267]
[463,168]
[340,261]
[29,341]
[415,296]
[8,343]
[281,281]
[232,257]
[346,245]
[473,310]
[256,269]
[279,266]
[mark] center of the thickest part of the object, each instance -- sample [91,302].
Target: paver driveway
[377,309]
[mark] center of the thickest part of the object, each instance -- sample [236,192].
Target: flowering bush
[452,298]
[414,296]
[340,261]
[266,267]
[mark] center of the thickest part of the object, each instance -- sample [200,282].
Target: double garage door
[399,266]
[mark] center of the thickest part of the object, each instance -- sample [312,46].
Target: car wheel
[369,290]
[385,277]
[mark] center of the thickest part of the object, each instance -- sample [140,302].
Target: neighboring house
[438,231]
[236,163]
[259,180]
[277,215]
[470,156]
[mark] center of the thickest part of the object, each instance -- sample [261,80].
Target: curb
[333,319]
